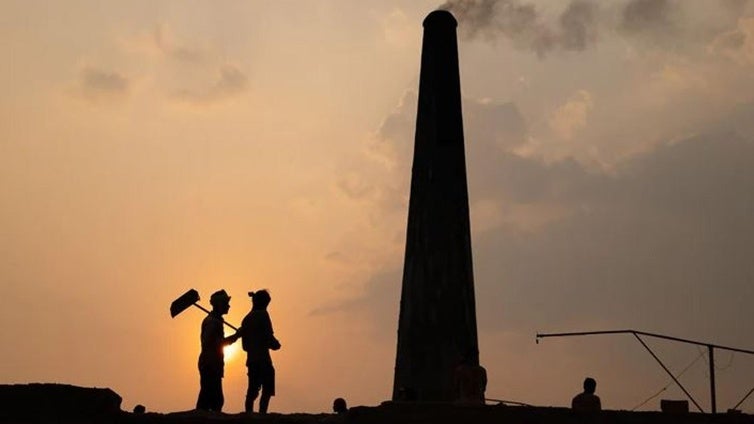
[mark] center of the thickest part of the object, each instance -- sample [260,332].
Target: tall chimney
[437,323]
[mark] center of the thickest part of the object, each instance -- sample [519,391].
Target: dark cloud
[98,83]
[666,23]
[578,25]
[642,15]
[230,82]
[523,24]
[661,243]
[657,21]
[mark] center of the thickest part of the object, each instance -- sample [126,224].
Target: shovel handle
[205,310]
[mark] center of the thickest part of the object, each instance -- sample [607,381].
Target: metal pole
[710,350]
[713,400]
[668,371]
[208,312]
[744,398]
[644,333]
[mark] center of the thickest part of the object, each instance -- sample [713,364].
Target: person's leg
[268,387]
[252,392]
[213,391]
[201,401]
[219,398]
[264,402]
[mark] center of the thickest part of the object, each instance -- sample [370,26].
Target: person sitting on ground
[339,406]
[470,380]
[587,400]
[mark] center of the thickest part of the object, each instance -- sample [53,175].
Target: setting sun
[230,351]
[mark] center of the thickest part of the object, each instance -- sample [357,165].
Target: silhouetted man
[212,359]
[339,406]
[258,339]
[470,381]
[587,401]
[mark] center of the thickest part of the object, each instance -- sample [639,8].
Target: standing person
[257,339]
[212,358]
[587,400]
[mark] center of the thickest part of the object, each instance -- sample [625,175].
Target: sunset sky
[147,148]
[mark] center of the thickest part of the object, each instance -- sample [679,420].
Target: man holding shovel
[212,358]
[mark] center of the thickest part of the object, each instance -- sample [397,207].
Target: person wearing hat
[257,340]
[212,358]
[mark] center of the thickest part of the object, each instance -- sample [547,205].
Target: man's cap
[219,296]
[258,296]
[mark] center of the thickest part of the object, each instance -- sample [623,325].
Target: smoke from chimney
[523,24]
[580,24]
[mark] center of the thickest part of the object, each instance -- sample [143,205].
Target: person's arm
[273,343]
[232,338]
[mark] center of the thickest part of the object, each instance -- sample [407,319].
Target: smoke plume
[523,24]
[579,25]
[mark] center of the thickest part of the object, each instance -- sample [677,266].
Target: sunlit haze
[147,148]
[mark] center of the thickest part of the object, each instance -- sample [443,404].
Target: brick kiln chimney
[437,323]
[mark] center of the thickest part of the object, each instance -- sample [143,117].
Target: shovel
[190,298]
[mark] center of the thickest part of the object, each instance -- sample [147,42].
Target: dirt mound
[32,402]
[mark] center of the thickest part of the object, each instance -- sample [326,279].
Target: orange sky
[148,148]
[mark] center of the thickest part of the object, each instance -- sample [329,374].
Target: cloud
[500,122]
[661,242]
[572,116]
[166,42]
[185,69]
[354,186]
[99,84]
[523,24]
[378,300]
[578,26]
[737,44]
[584,23]
[230,82]
[647,15]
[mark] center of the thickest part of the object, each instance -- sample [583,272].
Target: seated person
[587,401]
[470,381]
[339,406]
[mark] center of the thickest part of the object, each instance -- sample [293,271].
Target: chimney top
[440,19]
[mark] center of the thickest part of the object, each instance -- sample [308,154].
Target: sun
[230,351]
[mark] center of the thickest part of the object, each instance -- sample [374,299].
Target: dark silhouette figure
[212,358]
[258,338]
[587,400]
[339,406]
[470,381]
[140,409]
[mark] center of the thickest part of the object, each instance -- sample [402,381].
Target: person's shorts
[262,375]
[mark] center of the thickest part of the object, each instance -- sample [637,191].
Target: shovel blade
[182,303]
